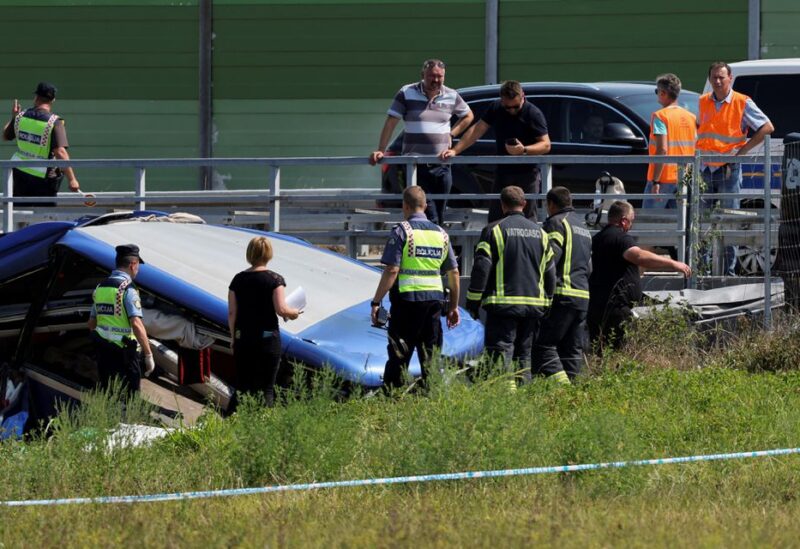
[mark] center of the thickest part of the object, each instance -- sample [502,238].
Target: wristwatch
[374,303]
[524,151]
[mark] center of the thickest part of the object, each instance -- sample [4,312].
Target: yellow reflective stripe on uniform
[560,377]
[499,275]
[547,253]
[110,334]
[557,236]
[419,283]
[485,247]
[515,300]
[567,256]
[572,292]
[474,296]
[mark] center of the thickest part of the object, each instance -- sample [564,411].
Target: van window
[776,95]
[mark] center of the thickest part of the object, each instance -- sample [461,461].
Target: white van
[774,85]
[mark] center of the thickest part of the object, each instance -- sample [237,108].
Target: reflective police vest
[424,251]
[519,253]
[113,323]
[33,131]
[720,132]
[681,137]
[572,271]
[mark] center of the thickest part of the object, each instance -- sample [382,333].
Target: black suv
[604,119]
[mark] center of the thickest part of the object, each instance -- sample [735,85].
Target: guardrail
[363,223]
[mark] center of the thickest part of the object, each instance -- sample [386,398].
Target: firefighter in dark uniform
[512,278]
[116,324]
[40,135]
[558,351]
[416,255]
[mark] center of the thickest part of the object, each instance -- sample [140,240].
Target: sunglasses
[657,90]
[429,64]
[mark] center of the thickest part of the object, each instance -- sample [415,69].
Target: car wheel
[750,259]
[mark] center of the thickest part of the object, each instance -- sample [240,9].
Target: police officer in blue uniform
[416,255]
[40,135]
[558,351]
[116,324]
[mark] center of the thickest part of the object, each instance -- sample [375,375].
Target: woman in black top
[255,299]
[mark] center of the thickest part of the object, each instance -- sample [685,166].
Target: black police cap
[128,250]
[46,90]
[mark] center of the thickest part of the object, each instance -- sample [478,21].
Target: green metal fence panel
[780,29]
[586,40]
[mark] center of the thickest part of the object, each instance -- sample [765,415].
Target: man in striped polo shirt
[426,108]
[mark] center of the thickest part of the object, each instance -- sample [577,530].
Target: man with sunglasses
[615,285]
[426,108]
[520,129]
[673,132]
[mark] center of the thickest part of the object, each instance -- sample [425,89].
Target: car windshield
[645,103]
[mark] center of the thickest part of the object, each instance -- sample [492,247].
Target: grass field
[651,400]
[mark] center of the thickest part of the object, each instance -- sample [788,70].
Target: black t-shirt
[613,277]
[255,312]
[528,125]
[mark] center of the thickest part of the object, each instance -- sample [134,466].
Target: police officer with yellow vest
[558,351]
[416,255]
[512,278]
[116,323]
[724,118]
[40,135]
[673,132]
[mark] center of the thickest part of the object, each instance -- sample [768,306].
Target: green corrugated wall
[780,28]
[306,78]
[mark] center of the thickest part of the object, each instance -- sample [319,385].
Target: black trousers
[435,179]
[257,361]
[26,184]
[607,325]
[511,338]
[414,325]
[560,344]
[114,361]
[529,181]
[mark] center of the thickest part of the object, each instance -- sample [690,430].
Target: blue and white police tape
[396,480]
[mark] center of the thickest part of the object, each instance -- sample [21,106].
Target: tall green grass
[718,398]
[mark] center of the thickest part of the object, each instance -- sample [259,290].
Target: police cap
[128,250]
[46,90]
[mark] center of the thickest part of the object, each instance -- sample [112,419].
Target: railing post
[767,234]
[140,189]
[546,169]
[8,207]
[681,218]
[275,203]
[411,173]
[694,219]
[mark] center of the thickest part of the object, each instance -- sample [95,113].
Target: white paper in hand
[297,299]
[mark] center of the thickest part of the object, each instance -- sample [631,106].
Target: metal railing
[686,234]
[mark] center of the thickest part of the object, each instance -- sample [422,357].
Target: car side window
[776,95]
[550,109]
[478,108]
[586,119]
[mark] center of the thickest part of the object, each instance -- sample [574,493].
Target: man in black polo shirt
[615,285]
[519,129]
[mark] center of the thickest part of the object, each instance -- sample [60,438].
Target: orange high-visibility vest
[681,136]
[720,132]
